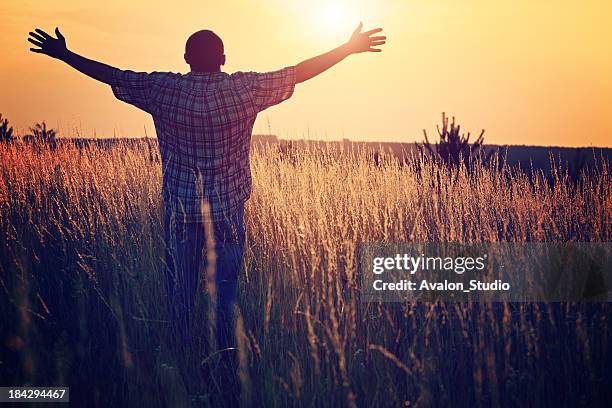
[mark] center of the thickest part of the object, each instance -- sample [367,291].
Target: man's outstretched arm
[56,48]
[359,42]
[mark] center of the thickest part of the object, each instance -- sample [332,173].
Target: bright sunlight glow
[334,16]
[333,20]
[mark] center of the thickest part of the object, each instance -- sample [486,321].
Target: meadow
[82,302]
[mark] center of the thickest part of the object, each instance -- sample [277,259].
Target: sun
[335,16]
[332,14]
[330,19]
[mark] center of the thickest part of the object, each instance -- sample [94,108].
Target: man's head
[204,52]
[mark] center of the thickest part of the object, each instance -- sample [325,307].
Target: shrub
[454,148]
[6,131]
[41,134]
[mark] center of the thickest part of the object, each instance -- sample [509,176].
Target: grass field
[82,295]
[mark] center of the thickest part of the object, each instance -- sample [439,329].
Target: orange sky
[528,71]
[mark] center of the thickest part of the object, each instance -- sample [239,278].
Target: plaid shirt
[204,123]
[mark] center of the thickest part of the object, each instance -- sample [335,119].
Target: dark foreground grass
[82,302]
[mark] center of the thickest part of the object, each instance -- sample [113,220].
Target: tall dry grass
[83,302]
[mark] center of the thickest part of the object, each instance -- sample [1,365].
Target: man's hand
[365,42]
[53,47]
[56,48]
[359,42]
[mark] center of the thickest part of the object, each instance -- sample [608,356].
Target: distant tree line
[453,148]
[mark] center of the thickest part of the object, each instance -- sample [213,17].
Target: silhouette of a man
[204,121]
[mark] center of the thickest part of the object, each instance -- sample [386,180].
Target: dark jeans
[186,260]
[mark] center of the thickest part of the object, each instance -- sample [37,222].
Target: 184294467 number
[34,394]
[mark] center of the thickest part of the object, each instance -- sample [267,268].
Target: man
[204,121]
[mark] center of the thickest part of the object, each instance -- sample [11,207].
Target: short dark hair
[204,44]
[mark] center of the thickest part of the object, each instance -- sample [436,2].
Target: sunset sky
[534,72]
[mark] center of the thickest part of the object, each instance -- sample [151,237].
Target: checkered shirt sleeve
[270,88]
[137,88]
